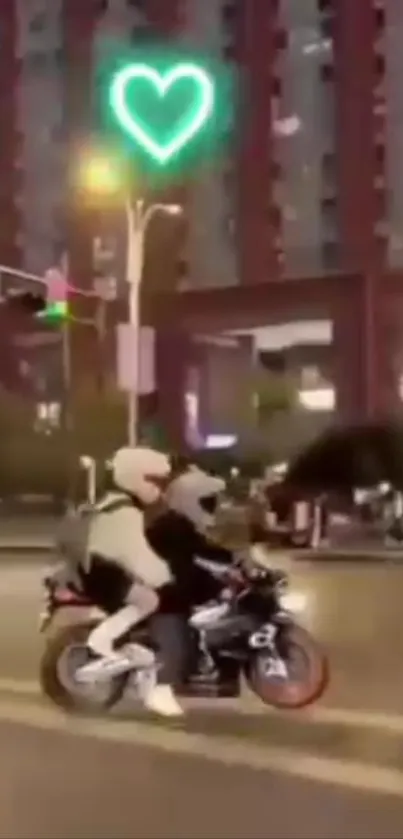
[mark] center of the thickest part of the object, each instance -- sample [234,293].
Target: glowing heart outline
[162,84]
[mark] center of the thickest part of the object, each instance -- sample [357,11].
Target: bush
[36,459]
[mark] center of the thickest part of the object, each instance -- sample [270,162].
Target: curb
[369,556]
[25,547]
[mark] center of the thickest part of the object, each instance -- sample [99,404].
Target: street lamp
[138,218]
[101,178]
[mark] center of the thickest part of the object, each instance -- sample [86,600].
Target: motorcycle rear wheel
[53,685]
[291,693]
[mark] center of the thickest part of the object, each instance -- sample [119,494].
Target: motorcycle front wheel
[302,677]
[64,653]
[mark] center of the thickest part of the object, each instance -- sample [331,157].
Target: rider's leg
[141,602]
[170,637]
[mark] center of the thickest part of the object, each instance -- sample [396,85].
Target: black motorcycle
[248,633]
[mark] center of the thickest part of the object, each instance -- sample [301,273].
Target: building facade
[309,195]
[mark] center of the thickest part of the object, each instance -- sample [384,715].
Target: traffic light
[56,306]
[50,305]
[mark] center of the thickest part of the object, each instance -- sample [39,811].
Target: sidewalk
[353,554]
[27,534]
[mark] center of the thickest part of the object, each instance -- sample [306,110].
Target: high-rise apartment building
[284,202]
[313,186]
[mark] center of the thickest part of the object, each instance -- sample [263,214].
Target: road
[357,613]
[75,778]
[230,776]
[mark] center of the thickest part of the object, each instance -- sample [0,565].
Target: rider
[123,567]
[179,535]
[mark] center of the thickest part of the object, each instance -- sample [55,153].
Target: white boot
[102,638]
[162,700]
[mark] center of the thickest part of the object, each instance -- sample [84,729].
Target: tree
[43,459]
[274,394]
[262,395]
[98,423]
[354,456]
[32,461]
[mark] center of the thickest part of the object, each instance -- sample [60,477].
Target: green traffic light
[55,311]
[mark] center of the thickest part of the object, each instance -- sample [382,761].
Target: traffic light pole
[98,322]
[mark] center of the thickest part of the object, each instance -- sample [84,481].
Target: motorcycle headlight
[281,586]
[293,601]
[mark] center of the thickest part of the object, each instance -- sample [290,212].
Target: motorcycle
[250,633]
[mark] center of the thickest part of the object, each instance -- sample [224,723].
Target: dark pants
[170,633]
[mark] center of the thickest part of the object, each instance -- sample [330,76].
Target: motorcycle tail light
[64,596]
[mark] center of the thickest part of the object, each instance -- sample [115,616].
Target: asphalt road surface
[356,612]
[93,779]
[59,779]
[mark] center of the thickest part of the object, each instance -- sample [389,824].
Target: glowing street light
[100,176]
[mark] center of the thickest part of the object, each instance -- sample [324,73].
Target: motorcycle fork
[277,652]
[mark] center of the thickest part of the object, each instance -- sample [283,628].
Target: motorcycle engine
[226,630]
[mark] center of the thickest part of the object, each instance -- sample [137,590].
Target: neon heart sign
[163,84]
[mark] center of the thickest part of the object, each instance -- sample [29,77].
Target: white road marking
[384,722]
[227,751]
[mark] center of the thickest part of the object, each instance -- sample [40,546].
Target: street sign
[136,359]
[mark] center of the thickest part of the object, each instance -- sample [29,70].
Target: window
[380,18]
[38,62]
[59,56]
[280,39]
[330,219]
[58,133]
[327,73]
[325,6]
[329,166]
[182,269]
[38,23]
[276,170]
[380,154]
[230,227]
[230,53]
[143,34]
[379,66]
[331,256]
[229,14]
[139,5]
[327,27]
[274,217]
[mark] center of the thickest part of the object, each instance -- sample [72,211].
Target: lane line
[23,687]
[388,723]
[227,751]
